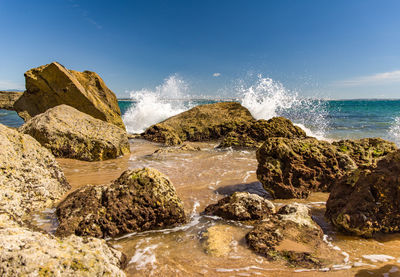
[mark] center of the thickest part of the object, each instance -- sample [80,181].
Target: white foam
[266,98]
[394,131]
[144,256]
[378,258]
[152,106]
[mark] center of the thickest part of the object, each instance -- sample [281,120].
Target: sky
[318,48]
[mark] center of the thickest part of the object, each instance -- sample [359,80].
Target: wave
[394,131]
[266,98]
[153,106]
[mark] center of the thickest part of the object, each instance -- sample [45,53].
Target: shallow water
[201,178]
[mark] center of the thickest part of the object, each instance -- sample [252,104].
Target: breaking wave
[153,106]
[394,131]
[266,98]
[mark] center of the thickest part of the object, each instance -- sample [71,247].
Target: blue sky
[335,49]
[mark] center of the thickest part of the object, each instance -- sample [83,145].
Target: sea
[324,119]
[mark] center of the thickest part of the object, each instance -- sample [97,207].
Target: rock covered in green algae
[69,133]
[30,178]
[52,84]
[139,200]
[28,253]
[201,123]
[241,206]
[292,236]
[367,151]
[293,168]
[368,200]
[254,134]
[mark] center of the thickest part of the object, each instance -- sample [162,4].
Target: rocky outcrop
[69,133]
[28,253]
[292,236]
[241,206]
[367,151]
[30,178]
[8,98]
[201,123]
[368,200]
[185,147]
[292,168]
[52,84]
[254,134]
[138,200]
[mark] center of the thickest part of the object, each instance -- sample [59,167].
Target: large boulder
[52,84]
[367,151]
[201,123]
[8,98]
[253,135]
[27,253]
[69,133]
[138,200]
[292,236]
[293,168]
[241,206]
[368,200]
[30,178]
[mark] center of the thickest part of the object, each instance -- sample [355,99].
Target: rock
[201,123]
[52,84]
[292,168]
[367,151]
[241,206]
[367,201]
[69,133]
[292,236]
[253,135]
[219,240]
[28,253]
[185,147]
[139,200]
[30,178]
[8,98]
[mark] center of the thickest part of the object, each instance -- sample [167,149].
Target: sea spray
[153,106]
[394,131]
[266,98]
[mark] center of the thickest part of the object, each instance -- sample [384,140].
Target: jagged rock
[27,253]
[8,98]
[138,200]
[241,206]
[218,240]
[201,123]
[52,84]
[367,151]
[292,168]
[69,133]
[254,134]
[30,178]
[368,200]
[292,236]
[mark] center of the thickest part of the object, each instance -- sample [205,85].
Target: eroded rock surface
[368,200]
[292,236]
[8,98]
[30,178]
[201,123]
[138,200]
[28,253]
[292,168]
[52,84]
[69,133]
[241,206]
[367,151]
[218,240]
[253,135]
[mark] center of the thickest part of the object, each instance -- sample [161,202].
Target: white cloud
[4,84]
[217,74]
[375,79]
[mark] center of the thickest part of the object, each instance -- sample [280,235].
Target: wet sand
[202,178]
